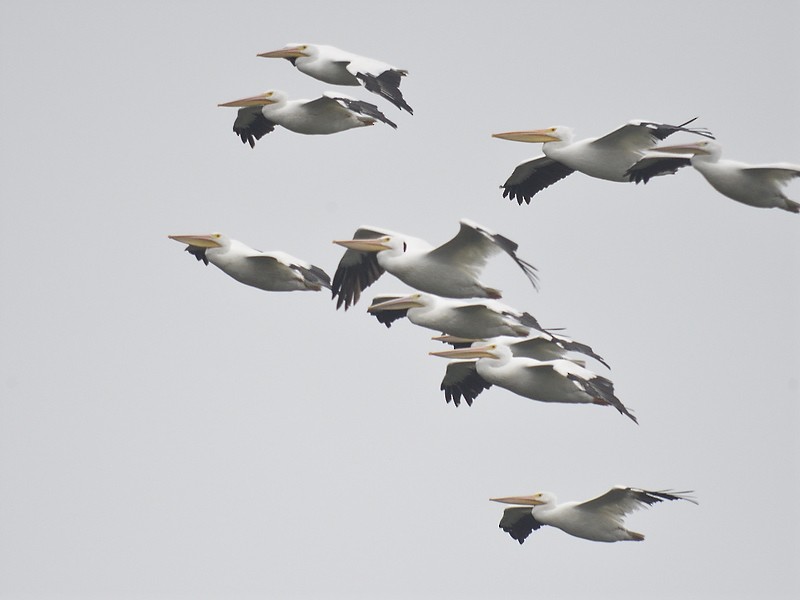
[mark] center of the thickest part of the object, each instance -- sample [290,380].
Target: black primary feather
[315,274]
[535,182]
[386,85]
[364,108]
[251,125]
[462,380]
[349,281]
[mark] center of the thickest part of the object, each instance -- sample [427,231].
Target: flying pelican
[339,67]
[756,185]
[599,519]
[330,113]
[272,271]
[451,270]
[607,157]
[540,375]
[473,319]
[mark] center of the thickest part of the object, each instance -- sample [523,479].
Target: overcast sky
[166,432]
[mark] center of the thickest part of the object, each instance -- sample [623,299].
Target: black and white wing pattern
[620,500]
[386,85]
[640,135]
[602,389]
[473,245]
[314,276]
[354,105]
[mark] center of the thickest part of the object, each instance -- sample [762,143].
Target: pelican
[330,113]
[607,157]
[339,67]
[465,321]
[471,319]
[539,374]
[600,519]
[756,185]
[272,271]
[451,270]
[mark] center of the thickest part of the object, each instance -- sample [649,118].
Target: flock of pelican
[492,344]
[630,154]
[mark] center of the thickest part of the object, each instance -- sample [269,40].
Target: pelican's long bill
[694,148]
[257,100]
[288,52]
[473,352]
[402,303]
[209,240]
[366,245]
[535,136]
[523,500]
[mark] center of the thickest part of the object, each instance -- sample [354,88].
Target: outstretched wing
[780,172]
[573,346]
[602,389]
[314,275]
[653,164]
[353,105]
[532,176]
[251,125]
[461,379]
[641,135]
[472,247]
[386,85]
[620,500]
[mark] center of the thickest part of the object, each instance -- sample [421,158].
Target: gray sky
[168,433]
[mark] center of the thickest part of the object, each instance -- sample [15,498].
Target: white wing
[472,247]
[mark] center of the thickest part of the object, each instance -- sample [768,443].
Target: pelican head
[551,134]
[401,303]
[290,52]
[271,97]
[205,240]
[537,499]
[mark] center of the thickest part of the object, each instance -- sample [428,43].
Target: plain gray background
[166,432]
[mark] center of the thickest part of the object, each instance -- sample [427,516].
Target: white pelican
[599,519]
[451,270]
[474,319]
[756,185]
[339,67]
[272,271]
[534,376]
[330,113]
[607,157]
